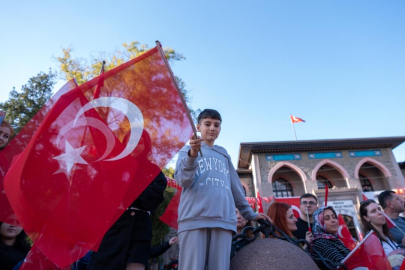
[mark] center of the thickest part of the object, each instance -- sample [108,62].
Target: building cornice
[248,148]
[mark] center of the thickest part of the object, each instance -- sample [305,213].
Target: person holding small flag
[308,205]
[211,189]
[326,240]
[393,205]
[373,218]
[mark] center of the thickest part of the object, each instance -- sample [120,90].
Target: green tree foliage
[84,70]
[160,229]
[169,172]
[23,105]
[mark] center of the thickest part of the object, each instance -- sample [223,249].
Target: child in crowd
[211,190]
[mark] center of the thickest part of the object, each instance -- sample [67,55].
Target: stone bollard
[271,253]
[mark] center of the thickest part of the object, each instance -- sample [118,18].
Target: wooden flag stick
[309,224]
[159,46]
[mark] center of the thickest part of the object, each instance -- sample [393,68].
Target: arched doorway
[322,182]
[330,173]
[372,174]
[365,183]
[287,180]
[282,188]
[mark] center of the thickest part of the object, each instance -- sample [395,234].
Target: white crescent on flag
[71,157]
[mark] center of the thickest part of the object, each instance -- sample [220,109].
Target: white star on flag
[68,160]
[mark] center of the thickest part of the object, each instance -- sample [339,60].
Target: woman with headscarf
[326,241]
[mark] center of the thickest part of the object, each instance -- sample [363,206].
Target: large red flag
[344,234]
[36,260]
[293,201]
[17,145]
[91,157]
[369,254]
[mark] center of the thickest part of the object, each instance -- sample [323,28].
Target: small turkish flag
[295,119]
[390,223]
[259,203]
[369,254]
[344,234]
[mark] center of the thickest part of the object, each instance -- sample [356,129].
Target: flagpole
[159,46]
[357,247]
[394,223]
[295,135]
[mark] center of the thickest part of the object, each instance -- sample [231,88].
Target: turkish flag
[259,203]
[293,201]
[295,119]
[369,254]
[390,223]
[344,234]
[36,260]
[17,145]
[171,214]
[90,157]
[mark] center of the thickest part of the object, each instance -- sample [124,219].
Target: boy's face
[209,129]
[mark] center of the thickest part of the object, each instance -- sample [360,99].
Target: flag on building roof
[295,119]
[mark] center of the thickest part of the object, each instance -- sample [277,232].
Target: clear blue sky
[340,65]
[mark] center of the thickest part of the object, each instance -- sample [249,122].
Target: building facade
[348,167]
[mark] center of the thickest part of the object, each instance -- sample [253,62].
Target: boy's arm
[186,168]
[239,195]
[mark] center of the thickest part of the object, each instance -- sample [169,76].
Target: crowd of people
[212,209]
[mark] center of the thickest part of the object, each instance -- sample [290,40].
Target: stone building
[348,167]
[402,167]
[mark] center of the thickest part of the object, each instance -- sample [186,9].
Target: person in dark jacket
[13,245]
[127,244]
[159,250]
[326,240]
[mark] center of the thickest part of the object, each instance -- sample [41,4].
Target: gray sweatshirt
[211,189]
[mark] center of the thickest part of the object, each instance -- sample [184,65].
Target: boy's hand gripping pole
[162,53]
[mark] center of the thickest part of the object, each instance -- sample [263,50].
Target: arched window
[282,188]
[322,182]
[365,183]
